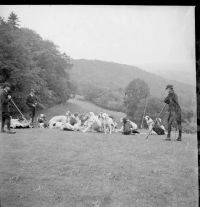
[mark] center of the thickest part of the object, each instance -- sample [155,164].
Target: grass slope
[81,106]
[42,167]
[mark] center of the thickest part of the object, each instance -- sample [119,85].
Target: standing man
[5,107]
[31,102]
[174,112]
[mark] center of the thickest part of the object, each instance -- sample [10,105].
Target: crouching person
[5,107]
[129,127]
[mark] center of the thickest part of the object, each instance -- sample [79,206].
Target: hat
[6,85]
[169,86]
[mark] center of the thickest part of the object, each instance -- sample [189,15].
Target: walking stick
[19,110]
[144,113]
[156,120]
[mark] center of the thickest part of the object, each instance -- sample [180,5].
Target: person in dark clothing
[128,128]
[174,112]
[31,102]
[5,107]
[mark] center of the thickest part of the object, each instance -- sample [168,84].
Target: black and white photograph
[98,106]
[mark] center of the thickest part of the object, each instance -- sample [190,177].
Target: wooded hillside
[29,62]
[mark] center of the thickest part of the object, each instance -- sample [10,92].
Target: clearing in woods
[43,168]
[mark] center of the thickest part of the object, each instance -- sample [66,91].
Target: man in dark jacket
[5,108]
[31,102]
[174,112]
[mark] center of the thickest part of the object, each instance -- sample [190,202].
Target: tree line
[27,61]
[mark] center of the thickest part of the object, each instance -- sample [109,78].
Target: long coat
[31,100]
[5,102]
[174,107]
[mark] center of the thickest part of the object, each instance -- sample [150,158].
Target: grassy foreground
[45,168]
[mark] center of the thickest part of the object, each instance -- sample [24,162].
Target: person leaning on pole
[31,102]
[5,108]
[174,112]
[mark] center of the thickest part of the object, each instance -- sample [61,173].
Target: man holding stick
[5,107]
[174,112]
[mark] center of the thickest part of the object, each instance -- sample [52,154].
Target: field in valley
[43,167]
[47,168]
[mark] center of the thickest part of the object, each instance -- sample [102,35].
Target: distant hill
[172,71]
[117,76]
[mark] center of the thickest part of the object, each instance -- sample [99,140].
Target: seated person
[129,127]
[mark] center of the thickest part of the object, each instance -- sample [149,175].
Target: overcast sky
[147,36]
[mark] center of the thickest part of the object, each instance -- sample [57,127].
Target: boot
[2,126]
[32,123]
[168,135]
[11,132]
[179,136]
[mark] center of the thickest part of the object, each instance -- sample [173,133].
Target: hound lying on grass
[92,123]
[17,123]
[53,122]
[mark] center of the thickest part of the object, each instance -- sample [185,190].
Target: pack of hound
[102,122]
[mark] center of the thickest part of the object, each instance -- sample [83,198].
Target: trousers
[5,118]
[174,116]
[32,113]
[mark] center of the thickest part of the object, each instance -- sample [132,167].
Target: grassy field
[45,168]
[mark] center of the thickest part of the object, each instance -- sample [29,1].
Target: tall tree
[134,93]
[13,19]
[27,61]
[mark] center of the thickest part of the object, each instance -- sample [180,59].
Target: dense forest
[29,62]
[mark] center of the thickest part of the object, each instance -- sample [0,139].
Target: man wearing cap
[31,102]
[174,112]
[5,108]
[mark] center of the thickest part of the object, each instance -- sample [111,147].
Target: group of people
[84,123]
[6,100]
